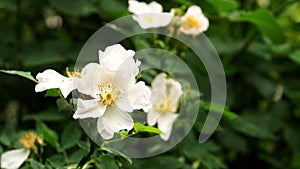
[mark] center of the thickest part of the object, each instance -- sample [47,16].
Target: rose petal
[114,56]
[89,109]
[137,97]
[104,130]
[117,119]
[173,92]
[159,83]
[86,84]
[14,158]
[153,20]
[152,117]
[50,79]
[165,123]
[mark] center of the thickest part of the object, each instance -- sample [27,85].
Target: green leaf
[116,152]
[106,162]
[230,115]
[162,161]
[77,156]
[255,125]
[264,20]
[213,162]
[139,127]
[292,137]
[20,73]
[4,139]
[113,8]
[84,145]
[123,133]
[70,136]
[219,109]
[53,93]
[295,56]
[48,115]
[1,149]
[63,105]
[36,165]
[75,7]
[224,6]
[50,165]
[47,134]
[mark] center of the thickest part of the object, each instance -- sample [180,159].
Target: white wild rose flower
[164,103]
[13,159]
[114,91]
[149,15]
[194,22]
[51,79]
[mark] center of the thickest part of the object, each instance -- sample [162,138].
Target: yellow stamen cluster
[108,93]
[191,22]
[163,107]
[30,139]
[76,73]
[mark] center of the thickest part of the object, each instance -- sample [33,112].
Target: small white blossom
[114,91]
[165,96]
[149,15]
[193,22]
[13,159]
[50,79]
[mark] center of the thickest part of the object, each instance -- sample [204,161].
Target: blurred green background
[258,42]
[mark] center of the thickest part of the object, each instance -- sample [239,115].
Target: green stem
[65,156]
[116,140]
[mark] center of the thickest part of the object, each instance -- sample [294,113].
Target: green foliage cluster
[258,42]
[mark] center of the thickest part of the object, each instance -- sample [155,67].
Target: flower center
[108,93]
[191,22]
[148,19]
[30,139]
[163,107]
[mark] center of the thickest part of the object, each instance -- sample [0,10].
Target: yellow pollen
[76,73]
[163,107]
[30,139]
[191,22]
[108,93]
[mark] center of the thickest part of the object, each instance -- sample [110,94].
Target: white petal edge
[48,79]
[117,119]
[152,117]
[155,7]
[165,136]
[67,87]
[113,56]
[104,130]
[193,10]
[174,93]
[14,158]
[165,123]
[137,97]
[153,20]
[159,83]
[137,7]
[89,109]
[86,84]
